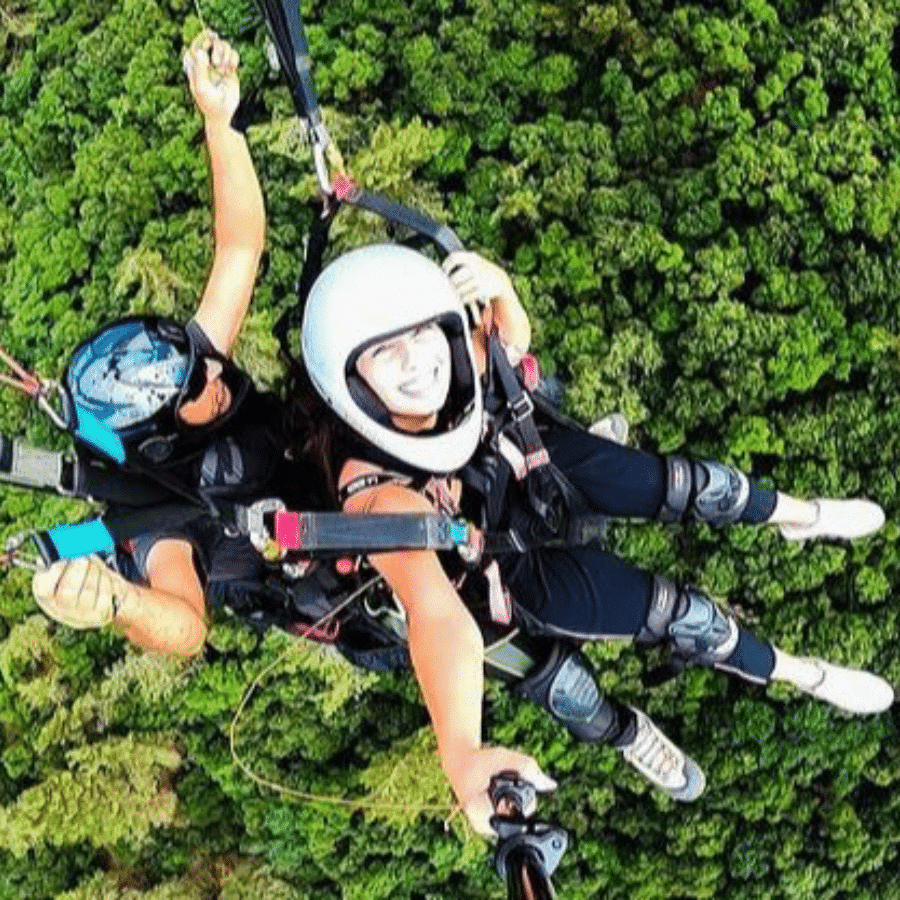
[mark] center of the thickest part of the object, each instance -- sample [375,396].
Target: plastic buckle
[472,548]
[521,408]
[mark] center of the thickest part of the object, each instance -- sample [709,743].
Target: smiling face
[410,374]
[213,401]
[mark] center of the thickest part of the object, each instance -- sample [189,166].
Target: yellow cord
[450,812]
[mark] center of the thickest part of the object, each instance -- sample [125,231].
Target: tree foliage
[699,204]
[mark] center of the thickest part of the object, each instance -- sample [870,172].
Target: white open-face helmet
[370,295]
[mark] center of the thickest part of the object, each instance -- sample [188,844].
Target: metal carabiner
[12,557]
[33,387]
[49,388]
[251,521]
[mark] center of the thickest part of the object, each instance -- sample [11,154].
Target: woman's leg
[626,482]
[586,593]
[565,685]
[698,630]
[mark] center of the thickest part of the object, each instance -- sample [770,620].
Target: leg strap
[663,604]
[679,487]
[566,687]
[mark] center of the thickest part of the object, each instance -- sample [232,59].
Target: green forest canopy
[699,205]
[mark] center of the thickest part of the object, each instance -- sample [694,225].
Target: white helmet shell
[371,294]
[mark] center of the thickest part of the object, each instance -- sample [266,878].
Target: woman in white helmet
[387,344]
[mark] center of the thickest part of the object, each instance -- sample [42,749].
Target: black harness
[144,499]
[552,512]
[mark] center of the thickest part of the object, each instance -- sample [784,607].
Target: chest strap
[349,533]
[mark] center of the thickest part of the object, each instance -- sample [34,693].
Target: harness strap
[369,533]
[499,600]
[542,480]
[116,486]
[370,480]
[101,536]
[347,191]
[521,408]
[289,37]
[314,252]
[518,462]
[530,462]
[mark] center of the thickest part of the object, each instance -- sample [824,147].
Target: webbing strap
[289,38]
[442,236]
[316,243]
[286,28]
[102,535]
[123,526]
[536,470]
[107,484]
[520,405]
[379,532]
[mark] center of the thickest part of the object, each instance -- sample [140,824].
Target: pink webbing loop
[536,460]
[326,633]
[345,188]
[531,371]
[26,382]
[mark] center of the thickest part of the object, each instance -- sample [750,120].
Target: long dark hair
[309,425]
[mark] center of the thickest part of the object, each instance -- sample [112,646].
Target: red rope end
[32,386]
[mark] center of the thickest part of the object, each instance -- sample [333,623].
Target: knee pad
[689,623]
[709,491]
[565,686]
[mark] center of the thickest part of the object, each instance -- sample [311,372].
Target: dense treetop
[699,204]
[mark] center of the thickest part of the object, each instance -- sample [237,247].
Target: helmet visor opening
[197,379]
[460,392]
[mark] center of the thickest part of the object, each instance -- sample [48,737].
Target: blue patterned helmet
[133,375]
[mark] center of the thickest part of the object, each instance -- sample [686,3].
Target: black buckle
[521,408]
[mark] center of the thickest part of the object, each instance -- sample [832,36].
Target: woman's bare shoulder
[383,494]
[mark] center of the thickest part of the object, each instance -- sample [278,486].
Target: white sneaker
[849,689]
[613,427]
[838,519]
[662,763]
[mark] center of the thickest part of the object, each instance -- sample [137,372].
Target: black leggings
[586,592]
